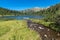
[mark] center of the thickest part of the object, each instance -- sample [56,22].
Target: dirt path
[45,33]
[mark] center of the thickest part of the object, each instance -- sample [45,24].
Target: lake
[22,17]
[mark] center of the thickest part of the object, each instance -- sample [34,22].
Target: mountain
[55,9]
[35,9]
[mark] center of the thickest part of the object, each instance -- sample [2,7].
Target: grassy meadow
[17,30]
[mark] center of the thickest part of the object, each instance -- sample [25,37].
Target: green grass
[41,21]
[17,30]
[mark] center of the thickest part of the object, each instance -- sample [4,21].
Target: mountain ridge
[31,11]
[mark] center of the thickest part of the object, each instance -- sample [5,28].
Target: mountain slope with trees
[52,14]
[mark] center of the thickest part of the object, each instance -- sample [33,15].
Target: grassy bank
[41,21]
[47,24]
[16,30]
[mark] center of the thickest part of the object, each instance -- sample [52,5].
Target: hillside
[52,14]
[4,11]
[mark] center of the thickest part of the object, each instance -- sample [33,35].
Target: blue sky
[25,4]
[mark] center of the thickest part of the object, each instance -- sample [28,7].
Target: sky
[25,4]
